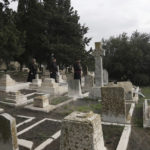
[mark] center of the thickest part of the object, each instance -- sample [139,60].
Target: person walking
[33,68]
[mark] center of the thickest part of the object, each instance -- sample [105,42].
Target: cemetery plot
[20,119]
[41,132]
[82,105]
[27,91]
[59,100]
[111,135]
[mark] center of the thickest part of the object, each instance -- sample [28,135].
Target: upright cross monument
[98,54]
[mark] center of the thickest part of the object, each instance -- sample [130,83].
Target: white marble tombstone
[74,88]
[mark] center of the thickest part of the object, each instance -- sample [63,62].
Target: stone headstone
[49,86]
[41,101]
[74,88]
[82,131]
[113,104]
[36,82]
[88,83]
[128,87]
[8,133]
[105,77]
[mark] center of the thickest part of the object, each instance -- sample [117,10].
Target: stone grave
[7,84]
[146,113]
[82,131]
[113,104]
[95,92]
[105,77]
[8,133]
[128,87]
[36,83]
[88,83]
[41,101]
[1,110]
[49,86]
[14,99]
[74,89]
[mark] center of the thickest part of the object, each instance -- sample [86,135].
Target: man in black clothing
[77,70]
[53,69]
[33,68]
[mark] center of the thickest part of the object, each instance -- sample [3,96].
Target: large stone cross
[98,53]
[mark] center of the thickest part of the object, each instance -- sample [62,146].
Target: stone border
[25,144]
[29,119]
[146,120]
[129,117]
[48,141]
[29,144]
[36,124]
[124,140]
[48,108]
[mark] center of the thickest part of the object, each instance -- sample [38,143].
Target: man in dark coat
[77,70]
[33,68]
[53,70]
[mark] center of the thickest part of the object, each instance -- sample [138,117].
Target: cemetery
[65,88]
[44,115]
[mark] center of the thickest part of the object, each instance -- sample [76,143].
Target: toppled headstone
[74,88]
[113,104]
[82,131]
[8,133]
[41,101]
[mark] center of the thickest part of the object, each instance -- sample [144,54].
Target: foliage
[128,58]
[11,39]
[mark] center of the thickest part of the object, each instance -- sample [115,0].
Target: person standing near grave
[77,70]
[33,68]
[53,69]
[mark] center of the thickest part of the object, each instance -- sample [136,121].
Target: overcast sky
[112,17]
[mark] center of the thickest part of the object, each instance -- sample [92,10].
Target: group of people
[53,69]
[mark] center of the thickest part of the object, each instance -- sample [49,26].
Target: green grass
[138,117]
[83,108]
[59,100]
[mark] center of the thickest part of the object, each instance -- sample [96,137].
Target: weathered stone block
[41,101]
[113,104]
[8,133]
[82,131]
